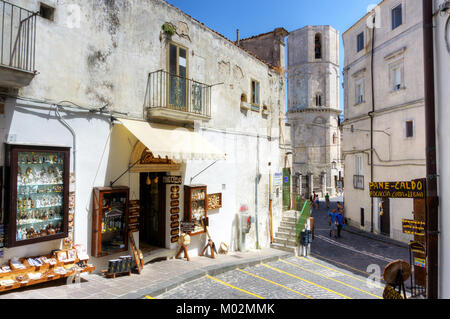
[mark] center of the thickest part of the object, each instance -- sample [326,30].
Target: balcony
[171,98]
[18,45]
[358,181]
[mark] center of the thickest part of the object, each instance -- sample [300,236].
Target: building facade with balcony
[144,96]
[384,127]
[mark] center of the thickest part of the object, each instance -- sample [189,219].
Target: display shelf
[48,272]
[110,220]
[195,207]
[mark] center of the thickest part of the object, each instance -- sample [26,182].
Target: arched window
[318,46]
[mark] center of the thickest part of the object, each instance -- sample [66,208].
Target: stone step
[285,241]
[288,224]
[288,230]
[283,248]
[284,235]
[289,219]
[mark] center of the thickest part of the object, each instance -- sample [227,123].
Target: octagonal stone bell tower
[313,109]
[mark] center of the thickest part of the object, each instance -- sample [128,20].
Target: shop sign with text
[411,189]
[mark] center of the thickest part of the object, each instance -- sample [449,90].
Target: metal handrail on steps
[302,219]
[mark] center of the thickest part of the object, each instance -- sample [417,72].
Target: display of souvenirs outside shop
[37,210]
[161,202]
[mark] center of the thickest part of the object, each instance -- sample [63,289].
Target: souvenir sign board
[187,227]
[413,227]
[411,189]
[174,208]
[133,215]
[172,179]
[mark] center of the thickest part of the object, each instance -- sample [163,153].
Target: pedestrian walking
[327,200]
[340,222]
[316,199]
[340,207]
[332,220]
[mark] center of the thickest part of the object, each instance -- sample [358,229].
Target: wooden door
[152,219]
[385,218]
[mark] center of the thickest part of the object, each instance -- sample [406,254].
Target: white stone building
[313,109]
[383,83]
[103,89]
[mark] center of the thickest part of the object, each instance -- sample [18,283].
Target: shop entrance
[152,219]
[385,221]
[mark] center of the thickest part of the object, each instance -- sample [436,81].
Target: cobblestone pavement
[336,268]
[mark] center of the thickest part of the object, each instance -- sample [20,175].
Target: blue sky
[254,17]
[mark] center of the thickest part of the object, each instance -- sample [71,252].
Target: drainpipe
[432,201]
[371,115]
[257,179]
[74,151]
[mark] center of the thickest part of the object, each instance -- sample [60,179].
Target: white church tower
[313,109]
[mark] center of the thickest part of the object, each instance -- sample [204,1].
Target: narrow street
[337,268]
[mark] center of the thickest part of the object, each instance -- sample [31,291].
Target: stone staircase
[285,237]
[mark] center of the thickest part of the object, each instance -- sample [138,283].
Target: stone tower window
[335,139]
[318,46]
[318,99]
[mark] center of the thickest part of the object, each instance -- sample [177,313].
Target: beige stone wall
[396,157]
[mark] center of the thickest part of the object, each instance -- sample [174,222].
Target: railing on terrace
[18,37]
[169,91]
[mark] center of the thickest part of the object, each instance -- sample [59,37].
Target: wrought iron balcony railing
[179,94]
[18,37]
[358,181]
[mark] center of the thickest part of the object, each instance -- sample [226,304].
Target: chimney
[237,36]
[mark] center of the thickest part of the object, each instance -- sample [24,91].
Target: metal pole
[372,114]
[431,167]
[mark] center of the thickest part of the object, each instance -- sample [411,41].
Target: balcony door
[178,74]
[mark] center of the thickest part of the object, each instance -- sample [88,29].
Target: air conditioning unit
[444,6]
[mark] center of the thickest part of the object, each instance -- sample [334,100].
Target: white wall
[442,73]
[105,60]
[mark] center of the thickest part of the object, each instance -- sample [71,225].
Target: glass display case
[38,194]
[110,223]
[195,207]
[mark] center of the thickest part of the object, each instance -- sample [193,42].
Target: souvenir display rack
[196,207]
[110,220]
[38,187]
[24,272]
